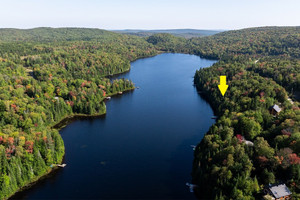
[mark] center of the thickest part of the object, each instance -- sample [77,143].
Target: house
[275,110]
[242,139]
[278,191]
[248,143]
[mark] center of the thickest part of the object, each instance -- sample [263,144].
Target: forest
[250,147]
[48,74]
[185,33]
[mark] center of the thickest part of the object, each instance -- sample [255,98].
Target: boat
[120,92]
[108,98]
[214,117]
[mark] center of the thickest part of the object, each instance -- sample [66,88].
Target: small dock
[62,165]
[191,186]
[194,147]
[58,165]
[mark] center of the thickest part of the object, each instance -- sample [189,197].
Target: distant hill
[45,34]
[271,40]
[186,33]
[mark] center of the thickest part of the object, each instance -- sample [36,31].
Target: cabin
[275,110]
[277,192]
[242,139]
[249,143]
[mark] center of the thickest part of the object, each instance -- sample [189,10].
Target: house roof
[249,143]
[280,191]
[276,108]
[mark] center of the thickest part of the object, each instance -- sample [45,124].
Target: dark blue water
[141,148]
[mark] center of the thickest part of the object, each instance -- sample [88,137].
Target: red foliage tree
[263,161]
[10,140]
[294,159]
[29,146]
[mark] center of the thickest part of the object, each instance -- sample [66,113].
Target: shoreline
[127,70]
[58,126]
[74,116]
[36,180]
[69,118]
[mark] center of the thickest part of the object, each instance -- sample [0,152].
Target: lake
[141,149]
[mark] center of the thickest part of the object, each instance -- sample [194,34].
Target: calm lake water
[142,148]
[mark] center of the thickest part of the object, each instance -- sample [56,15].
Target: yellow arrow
[223,87]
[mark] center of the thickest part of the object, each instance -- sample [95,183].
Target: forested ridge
[250,147]
[263,41]
[48,74]
[185,33]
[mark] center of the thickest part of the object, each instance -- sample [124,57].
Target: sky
[149,14]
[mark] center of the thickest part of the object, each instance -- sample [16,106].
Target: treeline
[169,43]
[51,35]
[282,42]
[46,75]
[185,33]
[264,41]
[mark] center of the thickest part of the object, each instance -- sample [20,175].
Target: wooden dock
[62,165]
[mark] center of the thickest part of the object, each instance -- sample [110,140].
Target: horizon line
[141,29]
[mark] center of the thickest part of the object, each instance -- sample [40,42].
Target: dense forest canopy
[226,164]
[263,41]
[55,34]
[48,74]
[250,146]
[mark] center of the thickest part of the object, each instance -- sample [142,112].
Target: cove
[141,149]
